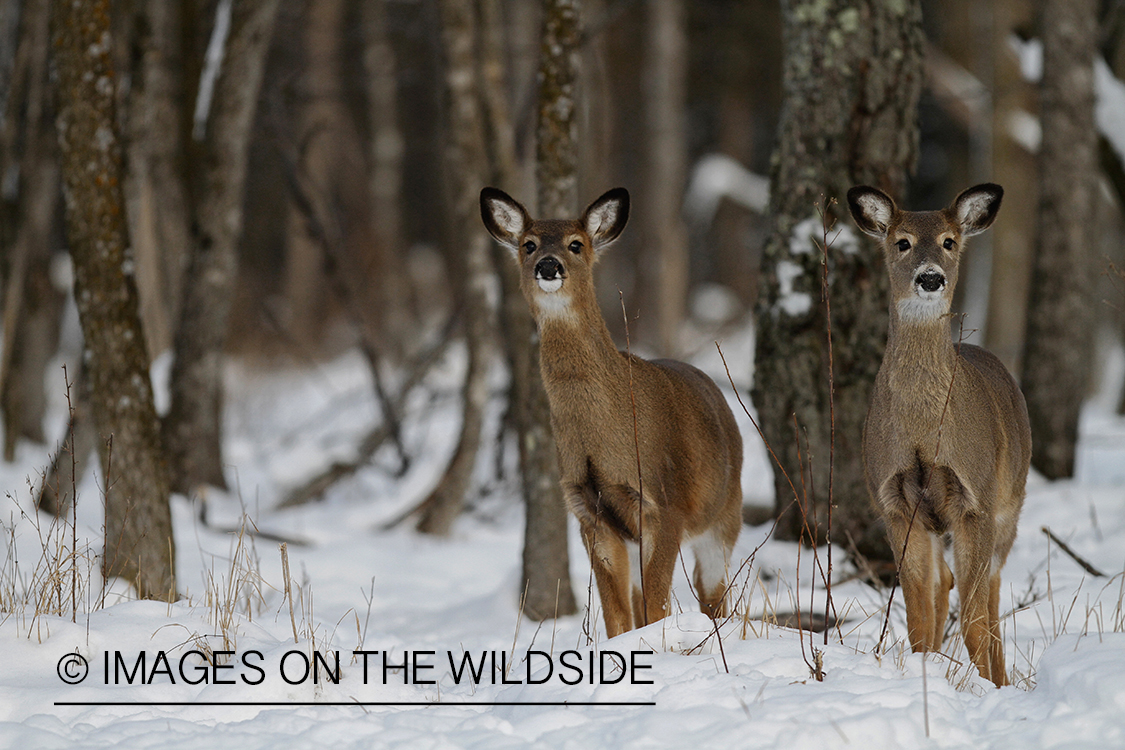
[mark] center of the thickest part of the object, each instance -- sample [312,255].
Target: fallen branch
[315,488]
[1073,555]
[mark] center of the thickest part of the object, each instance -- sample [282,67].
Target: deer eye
[948,244]
[529,246]
[903,245]
[576,247]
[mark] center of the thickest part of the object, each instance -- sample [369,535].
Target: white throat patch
[922,307]
[554,305]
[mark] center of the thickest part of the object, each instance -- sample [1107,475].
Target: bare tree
[1059,342]
[665,255]
[32,305]
[159,212]
[468,254]
[387,149]
[139,544]
[193,426]
[852,78]
[546,561]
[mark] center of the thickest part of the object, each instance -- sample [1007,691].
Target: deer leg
[999,674]
[941,595]
[711,559]
[609,557]
[659,550]
[972,551]
[919,560]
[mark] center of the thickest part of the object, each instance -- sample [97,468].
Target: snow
[427,604]
[718,176]
[212,66]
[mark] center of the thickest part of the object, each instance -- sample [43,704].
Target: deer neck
[919,363]
[577,347]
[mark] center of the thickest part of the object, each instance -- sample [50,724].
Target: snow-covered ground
[450,664]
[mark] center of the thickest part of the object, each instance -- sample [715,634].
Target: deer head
[923,248]
[556,256]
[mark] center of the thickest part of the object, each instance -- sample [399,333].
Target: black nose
[547,268]
[930,281]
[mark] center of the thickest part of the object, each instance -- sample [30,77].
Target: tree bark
[466,169]
[387,149]
[32,305]
[852,78]
[139,545]
[156,189]
[1059,344]
[665,257]
[1013,167]
[546,590]
[193,426]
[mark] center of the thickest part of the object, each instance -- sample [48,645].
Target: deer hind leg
[999,673]
[659,549]
[712,555]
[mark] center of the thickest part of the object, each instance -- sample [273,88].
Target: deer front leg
[924,578]
[609,558]
[980,629]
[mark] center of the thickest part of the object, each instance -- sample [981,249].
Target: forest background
[278,181]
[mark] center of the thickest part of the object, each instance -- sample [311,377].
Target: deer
[946,441]
[650,456]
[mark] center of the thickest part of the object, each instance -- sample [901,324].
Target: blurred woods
[300,178]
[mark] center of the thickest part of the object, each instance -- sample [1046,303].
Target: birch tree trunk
[468,254]
[1059,343]
[852,78]
[138,544]
[193,427]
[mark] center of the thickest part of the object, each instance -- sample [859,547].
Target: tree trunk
[193,426]
[32,305]
[1013,167]
[546,586]
[468,254]
[139,544]
[664,260]
[387,149]
[160,224]
[1059,343]
[852,78]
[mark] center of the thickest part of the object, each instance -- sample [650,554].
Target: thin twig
[825,227]
[640,480]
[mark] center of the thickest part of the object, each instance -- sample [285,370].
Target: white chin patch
[550,285]
[922,307]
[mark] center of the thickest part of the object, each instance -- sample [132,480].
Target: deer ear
[975,209]
[606,217]
[871,210]
[504,217]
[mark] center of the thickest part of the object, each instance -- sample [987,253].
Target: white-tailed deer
[946,445]
[680,434]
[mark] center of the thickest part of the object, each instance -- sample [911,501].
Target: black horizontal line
[354,703]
